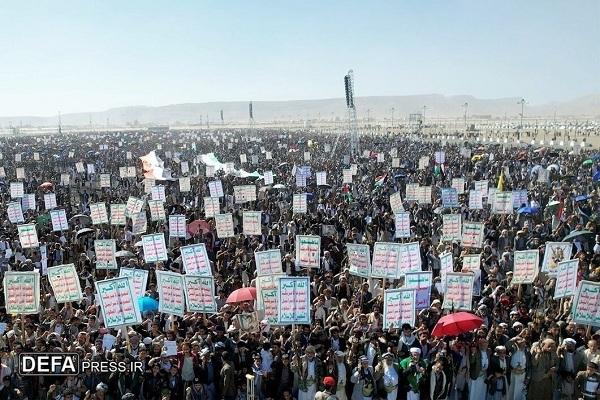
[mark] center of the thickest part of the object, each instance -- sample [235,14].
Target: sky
[79,56]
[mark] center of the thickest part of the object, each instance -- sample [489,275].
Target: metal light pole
[393,117]
[522,103]
[466,107]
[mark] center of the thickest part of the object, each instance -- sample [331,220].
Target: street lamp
[466,107]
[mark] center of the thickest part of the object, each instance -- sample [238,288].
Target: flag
[380,180]
[501,182]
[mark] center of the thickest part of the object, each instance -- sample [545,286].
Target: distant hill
[326,109]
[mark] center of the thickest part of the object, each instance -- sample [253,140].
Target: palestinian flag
[380,180]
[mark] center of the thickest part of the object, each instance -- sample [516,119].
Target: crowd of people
[528,346]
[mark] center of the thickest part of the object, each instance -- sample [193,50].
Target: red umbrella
[455,324]
[241,295]
[195,226]
[46,185]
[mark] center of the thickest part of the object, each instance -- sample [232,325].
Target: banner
[449,197]
[308,251]
[459,292]
[98,213]
[475,200]
[299,203]
[398,308]
[396,203]
[139,278]
[117,214]
[224,223]
[177,226]
[50,201]
[525,269]
[293,303]
[268,262]
[154,248]
[215,188]
[402,224]
[451,227]
[170,292]
[211,207]
[503,203]
[459,185]
[472,234]
[359,259]
[157,210]
[554,253]
[386,260]
[566,279]
[195,260]
[28,236]
[14,212]
[22,292]
[410,258]
[244,194]
[118,302]
[200,294]
[134,206]
[252,223]
[421,282]
[585,304]
[59,220]
[65,283]
[105,254]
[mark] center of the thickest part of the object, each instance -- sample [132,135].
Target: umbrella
[587,162]
[554,167]
[84,231]
[442,210]
[138,244]
[241,295]
[279,186]
[80,216]
[528,210]
[325,185]
[124,253]
[46,185]
[147,304]
[582,197]
[455,324]
[535,169]
[596,157]
[195,226]
[575,235]
[283,164]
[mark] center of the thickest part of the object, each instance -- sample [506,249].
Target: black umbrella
[84,231]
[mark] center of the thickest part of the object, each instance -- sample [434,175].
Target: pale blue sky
[91,55]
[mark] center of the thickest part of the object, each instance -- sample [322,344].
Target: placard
[554,253]
[424,194]
[472,263]
[195,260]
[386,260]
[210,172]
[118,302]
[395,162]
[251,223]
[307,156]
[267,291]
[154,248]
[410,258]
[293,304]
[28,202]
[268,262]
[243,159]
[105,250]
[22,292]
[200,294]
[65,179]
[98,213]
[28,236]
[212,207]
[158,193]
[139,277]
[139,223]
[117,214]
[20,173]
[244,194]
[398,308]
[472,234]
[411,191]
[185,184]
[177,226]
[149,183]
[459,291]
[451,227]
[299,203]
[402,224]
[396,203]
[440,157]
[224,224]
[16,190]
[526,264]
[268,178]
[459,185]
[482,186]
[300,180]
[50,201]
[475,200]
[421,282]
[566,279]
[215,188]
[14,212]
[308,251]
[503,203]
[520,198]
[359,259]
[185,168]
[79,167]
[65,283]
[347,176]
[585,304]
[157,210]
[321,178]
[446,265]
[134,206]
[59,220]
[170,292]
[449,197]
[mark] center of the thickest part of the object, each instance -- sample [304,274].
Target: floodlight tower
[352,123]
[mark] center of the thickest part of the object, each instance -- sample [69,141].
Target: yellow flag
[501,182]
